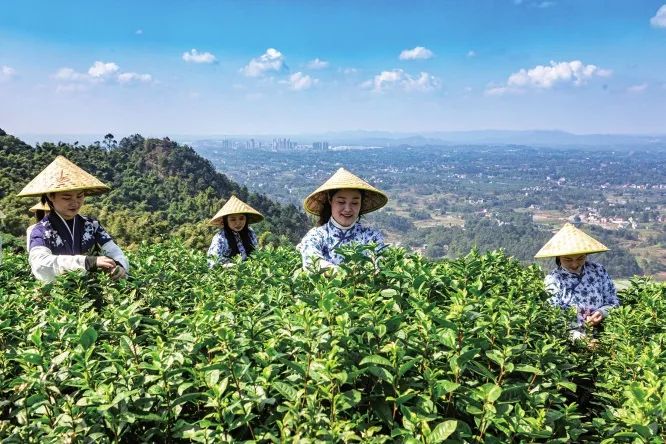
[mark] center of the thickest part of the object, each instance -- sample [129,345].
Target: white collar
[71,231]
[341,227]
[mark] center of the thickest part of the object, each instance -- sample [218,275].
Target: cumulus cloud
[69,75]
[399,79]
[417,53]
[71,80]
[659,19]
[6,73]
[300,82]
[270,61]
[132,77]
[101,70]
[194,56]
[637,89]
[574,72]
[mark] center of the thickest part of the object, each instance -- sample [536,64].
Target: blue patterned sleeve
[553,287]
[37,237]
[610,299]
[101,235]
[219,251]
[253,238]
[310,246]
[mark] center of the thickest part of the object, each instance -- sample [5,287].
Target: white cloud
[101,70]
[348,71]
[399,79]
[574,72]
[69,75]
[318,64]
[542,76]
[496,90]
[194,56]
[139,32]
[659,19]
[545,4]
[417,53]
[471,53]
[74,81]
[300,82]
[132,77]
[271,60]
[637,89]
[6,73]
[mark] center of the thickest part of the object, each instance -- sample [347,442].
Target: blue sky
[285,67]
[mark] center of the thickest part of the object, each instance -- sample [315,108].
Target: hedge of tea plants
[456,351]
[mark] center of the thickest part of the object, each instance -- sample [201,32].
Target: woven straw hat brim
[373,199]
[569,241]
[236,206]
[39,206]
[60,176]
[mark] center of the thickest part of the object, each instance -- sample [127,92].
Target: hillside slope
[160,189]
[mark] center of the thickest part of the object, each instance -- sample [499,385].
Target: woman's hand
[109,266]
[118,273]
[594,319]
[104,263]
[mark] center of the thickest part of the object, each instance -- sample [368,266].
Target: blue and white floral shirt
[321,242]
[591,290]
[219,251]
[53,233]
[57,247]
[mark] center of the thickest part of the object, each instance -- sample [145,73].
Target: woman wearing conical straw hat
[40,209]
[64,240]
[578,282]
[235,236]
[339,203]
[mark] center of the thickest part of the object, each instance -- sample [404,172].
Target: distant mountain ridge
[554,138]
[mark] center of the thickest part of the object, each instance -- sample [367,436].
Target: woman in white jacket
[64,240]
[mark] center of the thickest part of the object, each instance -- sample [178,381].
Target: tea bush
[456,351]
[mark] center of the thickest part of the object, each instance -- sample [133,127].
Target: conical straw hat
[39,206]
[570,240]
[373,199]
[62,175]
[236,206]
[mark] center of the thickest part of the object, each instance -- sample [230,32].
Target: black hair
[39,214]
[326,211]
[244,235]
[557,261]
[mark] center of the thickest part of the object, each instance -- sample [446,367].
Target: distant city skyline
[312,67]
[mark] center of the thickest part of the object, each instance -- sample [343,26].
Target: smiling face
[236,222]
[573,263]
[346,206]
[68,203]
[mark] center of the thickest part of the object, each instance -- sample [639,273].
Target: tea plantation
[456,351]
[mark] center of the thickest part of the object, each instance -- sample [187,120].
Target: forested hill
[160,190]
